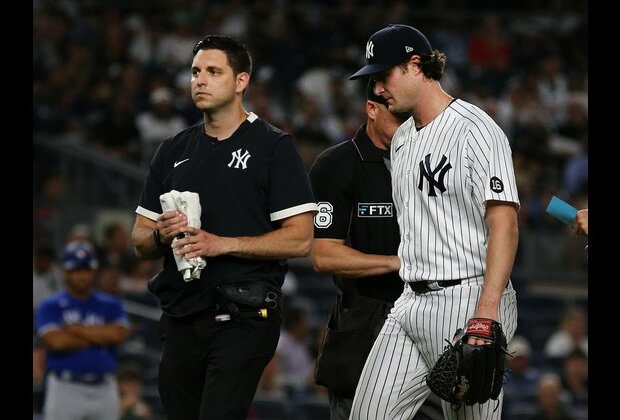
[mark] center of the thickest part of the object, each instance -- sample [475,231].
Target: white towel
[187,203]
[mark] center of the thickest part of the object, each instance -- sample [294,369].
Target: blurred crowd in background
[114,76]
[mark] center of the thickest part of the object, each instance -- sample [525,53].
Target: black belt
[82,378]
[429,286]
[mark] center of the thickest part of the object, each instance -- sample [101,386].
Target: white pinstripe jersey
[442,176]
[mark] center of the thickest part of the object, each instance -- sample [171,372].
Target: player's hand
[170,224]
[201,244]
[471,374]
[482,313]
[580,225]
[475,341]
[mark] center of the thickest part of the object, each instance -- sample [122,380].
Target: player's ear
[371,109]
[242,81]
[414,62]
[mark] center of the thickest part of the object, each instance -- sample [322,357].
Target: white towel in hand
[187,203]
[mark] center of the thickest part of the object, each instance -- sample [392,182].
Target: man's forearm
[102,335]
[291,240]
[501,251]
[339,259]
[144,244]
[286,242]
[61,341]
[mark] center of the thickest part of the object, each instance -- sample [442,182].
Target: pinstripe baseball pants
[393,382]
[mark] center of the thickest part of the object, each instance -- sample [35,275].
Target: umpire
[356,239]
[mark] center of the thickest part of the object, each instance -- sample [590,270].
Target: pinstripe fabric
[442,176]
[392,385]
[444,236]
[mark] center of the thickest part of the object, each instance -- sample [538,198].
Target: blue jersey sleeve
[115,312]
[48,317]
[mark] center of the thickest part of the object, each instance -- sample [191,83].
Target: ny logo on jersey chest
[435,177]
[239,159]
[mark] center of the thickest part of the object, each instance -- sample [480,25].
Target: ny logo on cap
[408,49]
[369,50]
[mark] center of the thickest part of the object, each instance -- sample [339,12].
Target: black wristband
[158,241]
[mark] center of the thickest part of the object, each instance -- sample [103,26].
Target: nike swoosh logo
[180,162]
[398,148]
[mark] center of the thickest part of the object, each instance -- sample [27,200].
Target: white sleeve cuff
[147,213]
[292,211]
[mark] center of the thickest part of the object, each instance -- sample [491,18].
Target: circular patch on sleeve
[497,186]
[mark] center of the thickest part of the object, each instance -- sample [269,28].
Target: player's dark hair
[433,65]
[237,53]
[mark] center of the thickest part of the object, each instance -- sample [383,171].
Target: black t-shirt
[246,183]
[353,190]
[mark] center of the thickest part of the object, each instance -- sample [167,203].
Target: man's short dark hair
[433,65]
[237,53]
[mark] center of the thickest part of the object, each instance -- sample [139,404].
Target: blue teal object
[561,210]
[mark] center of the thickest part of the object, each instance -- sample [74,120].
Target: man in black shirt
[220,330]
[356,239]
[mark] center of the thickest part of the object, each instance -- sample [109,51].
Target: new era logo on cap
[390,46]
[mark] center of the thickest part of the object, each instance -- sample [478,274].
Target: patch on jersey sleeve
[324,218]
[374,210]
[497,186]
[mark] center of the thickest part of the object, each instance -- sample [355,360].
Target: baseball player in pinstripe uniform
[456,203]
[356,238]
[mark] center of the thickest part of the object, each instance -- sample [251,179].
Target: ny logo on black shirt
[240,159]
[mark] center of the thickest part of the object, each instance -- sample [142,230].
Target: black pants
[210,370]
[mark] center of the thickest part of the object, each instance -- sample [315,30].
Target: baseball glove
[467,373]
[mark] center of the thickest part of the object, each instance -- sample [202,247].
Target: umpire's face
[385,122]
[80,281]
[214,84]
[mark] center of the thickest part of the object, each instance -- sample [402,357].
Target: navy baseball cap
[79,254]
[390,46]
